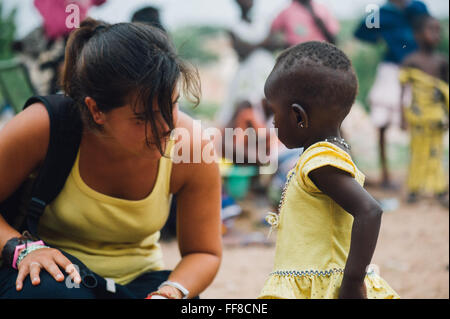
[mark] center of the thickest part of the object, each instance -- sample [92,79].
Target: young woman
[125,79]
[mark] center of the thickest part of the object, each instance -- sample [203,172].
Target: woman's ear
[97,115]
[301,115]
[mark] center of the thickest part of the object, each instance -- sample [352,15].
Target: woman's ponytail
[75,44]
[127,64]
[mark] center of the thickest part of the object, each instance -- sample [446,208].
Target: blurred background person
[45,44]
[55,17]
[244,103]
[149,15]
[426,73]
[305,20]
[395,30]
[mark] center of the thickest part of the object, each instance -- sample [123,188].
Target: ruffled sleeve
[323,154]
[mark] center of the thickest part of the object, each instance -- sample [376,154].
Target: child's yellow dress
[314,233]
[427,118]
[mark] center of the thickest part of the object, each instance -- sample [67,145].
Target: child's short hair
[322,75]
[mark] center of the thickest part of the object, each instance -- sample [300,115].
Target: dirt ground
[412,253]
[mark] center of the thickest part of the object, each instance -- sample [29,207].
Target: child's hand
[352,290]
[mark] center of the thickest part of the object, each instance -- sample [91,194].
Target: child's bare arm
[408,62]
[403,123]
[346,192]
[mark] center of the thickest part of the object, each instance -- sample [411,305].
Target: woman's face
[128,130]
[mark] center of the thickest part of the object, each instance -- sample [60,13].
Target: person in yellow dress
[327,224]
[425,72]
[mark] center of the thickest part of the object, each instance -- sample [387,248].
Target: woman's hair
[126,63]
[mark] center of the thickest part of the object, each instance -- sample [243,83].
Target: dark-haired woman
[125,80]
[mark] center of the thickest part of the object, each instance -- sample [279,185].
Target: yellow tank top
[314,233]
[115,238]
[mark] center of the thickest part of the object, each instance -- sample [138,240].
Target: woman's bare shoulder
[23,146]
[189,131]
[27,133]
[193,157]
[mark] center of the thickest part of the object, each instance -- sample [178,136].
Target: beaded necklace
[273,219]
[339,140]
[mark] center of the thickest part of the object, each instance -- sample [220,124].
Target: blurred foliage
[206,110]
[191,43]
[7,31]
[445,33]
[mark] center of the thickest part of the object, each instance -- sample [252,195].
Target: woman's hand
[352,290]
[48,259]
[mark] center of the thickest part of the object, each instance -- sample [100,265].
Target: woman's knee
[48,288]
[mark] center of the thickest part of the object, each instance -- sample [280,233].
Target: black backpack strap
[65,137]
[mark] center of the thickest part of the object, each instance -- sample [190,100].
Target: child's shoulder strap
[65,136]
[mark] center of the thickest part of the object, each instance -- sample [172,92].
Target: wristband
[22,250]
[9,248]
[183,290]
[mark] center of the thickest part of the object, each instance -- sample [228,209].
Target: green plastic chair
[15,84]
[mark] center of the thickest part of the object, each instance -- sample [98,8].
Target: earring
[301,125]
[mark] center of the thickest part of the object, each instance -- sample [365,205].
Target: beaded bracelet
[30,248]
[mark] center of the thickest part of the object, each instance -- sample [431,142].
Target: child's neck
[426,50]
[321,136]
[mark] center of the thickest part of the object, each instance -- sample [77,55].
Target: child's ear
[301,115]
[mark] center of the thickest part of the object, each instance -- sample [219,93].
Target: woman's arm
[243,49]
[403,123]
[199,228]
[23,147]
[347,193]
[198,191]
